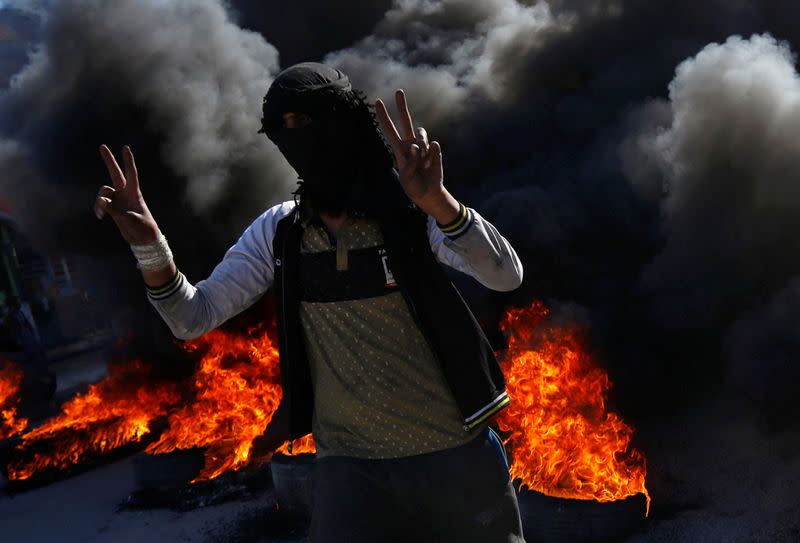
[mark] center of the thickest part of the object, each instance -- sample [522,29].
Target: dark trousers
[461,495]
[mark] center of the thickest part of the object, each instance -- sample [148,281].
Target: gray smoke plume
[731,162]
[452,55]
[19,32]
[194,80]
[728,163]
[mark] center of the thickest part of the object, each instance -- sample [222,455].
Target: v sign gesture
[419,163]
[124,201]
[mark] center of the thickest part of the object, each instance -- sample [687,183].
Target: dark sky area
[641,156]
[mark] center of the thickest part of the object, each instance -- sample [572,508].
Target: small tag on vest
[390,282]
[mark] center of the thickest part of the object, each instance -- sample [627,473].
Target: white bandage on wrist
[153,256]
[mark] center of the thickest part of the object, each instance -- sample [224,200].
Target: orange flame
[302,445]
[237,392]
[10,380]
[563,441]
[112,413]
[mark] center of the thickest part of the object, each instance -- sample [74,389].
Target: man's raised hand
[420,163]
[124,201]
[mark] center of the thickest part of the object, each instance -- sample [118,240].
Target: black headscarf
[340,156]
[308,87]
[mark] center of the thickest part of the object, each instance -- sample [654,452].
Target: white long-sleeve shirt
[247,269]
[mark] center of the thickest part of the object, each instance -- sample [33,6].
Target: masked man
[380,357]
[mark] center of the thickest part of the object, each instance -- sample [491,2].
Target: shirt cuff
[460,225]
[166,290]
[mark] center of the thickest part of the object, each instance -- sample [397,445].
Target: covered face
[326,151]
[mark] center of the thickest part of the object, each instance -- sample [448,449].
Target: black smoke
[642,156]
[134,72]
[178,81]
[306,30]
[572,124]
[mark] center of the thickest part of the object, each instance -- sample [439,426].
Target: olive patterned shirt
[378,389]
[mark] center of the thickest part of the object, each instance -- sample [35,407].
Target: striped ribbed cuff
[460,225]
[487,411]
[167,289]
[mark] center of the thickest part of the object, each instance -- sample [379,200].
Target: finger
[104,191]
[103,206]
[411,164]
[389,128]
[405,116]
[113,168]
[422,141]
[131,174]
[436,156]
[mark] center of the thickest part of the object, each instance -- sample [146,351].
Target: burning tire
[170,470]
[292,478]
[558,520]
